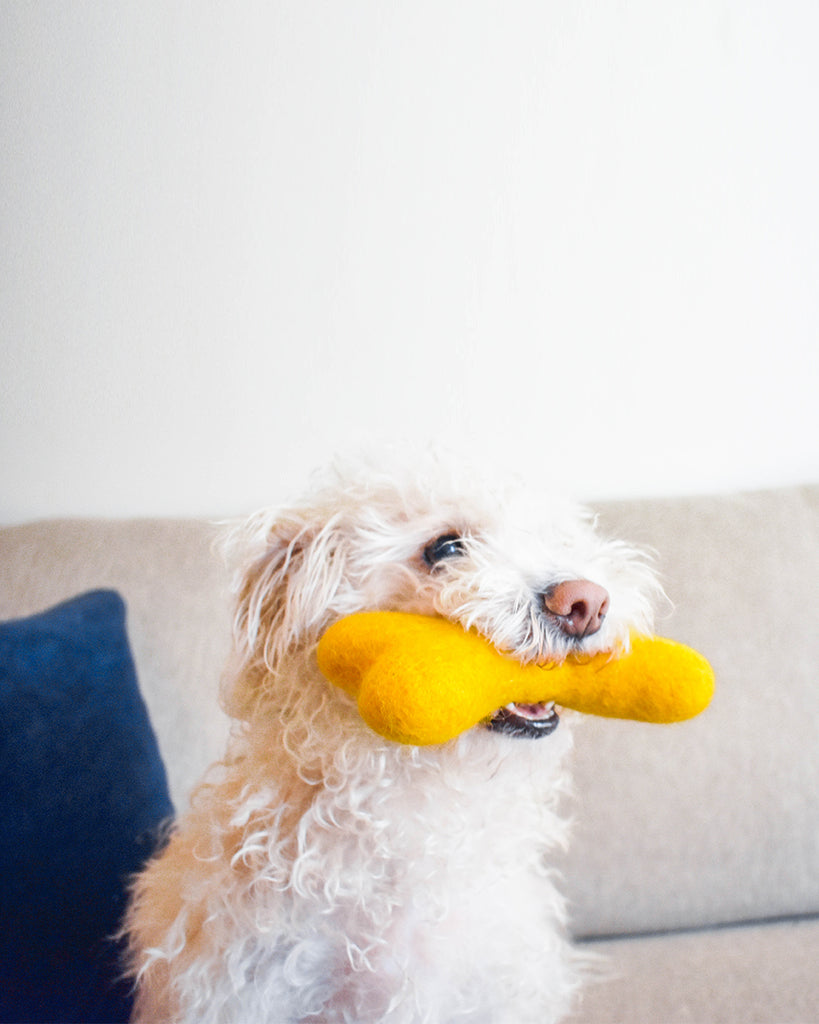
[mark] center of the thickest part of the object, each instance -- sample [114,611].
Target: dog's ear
[286,593]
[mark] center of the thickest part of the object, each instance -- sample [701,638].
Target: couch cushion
[717,819]
[82,796]
[765,973]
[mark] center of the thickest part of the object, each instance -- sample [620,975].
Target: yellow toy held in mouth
[422,680]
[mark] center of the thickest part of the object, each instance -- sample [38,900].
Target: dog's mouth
[527,721]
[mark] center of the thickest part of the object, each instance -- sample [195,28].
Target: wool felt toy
[421,680]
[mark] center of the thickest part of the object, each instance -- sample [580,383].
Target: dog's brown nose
[578,606]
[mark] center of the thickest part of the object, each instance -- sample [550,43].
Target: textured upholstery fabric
[176,590]
[752,974]
[83,796]
[717,819]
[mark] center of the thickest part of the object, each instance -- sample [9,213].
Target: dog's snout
[577,606]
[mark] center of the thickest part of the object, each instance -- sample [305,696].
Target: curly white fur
[324,874]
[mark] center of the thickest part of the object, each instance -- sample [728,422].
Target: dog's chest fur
[416,891]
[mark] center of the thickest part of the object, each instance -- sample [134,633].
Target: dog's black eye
[450,545]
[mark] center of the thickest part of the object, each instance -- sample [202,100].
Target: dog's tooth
[547,705]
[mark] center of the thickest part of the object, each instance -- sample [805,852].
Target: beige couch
[695,862]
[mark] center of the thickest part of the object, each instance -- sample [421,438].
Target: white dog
[325,874]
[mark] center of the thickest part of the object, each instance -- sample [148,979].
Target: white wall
[236,237]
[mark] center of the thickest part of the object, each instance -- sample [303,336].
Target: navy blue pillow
[83,795]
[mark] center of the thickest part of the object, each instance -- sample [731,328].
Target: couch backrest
[710,821]
[716,819]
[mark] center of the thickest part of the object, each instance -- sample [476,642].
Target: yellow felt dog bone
[420,680]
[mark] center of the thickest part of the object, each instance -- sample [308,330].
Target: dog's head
[536,585]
